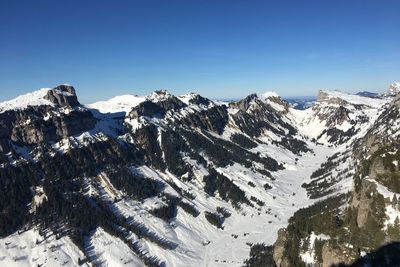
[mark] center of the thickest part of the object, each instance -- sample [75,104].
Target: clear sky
[218,48]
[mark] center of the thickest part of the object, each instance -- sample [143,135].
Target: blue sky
[219,48]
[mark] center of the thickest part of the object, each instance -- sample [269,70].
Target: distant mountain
[165,180]
[367,94]
[301,103]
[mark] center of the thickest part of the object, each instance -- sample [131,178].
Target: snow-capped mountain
[337,117]
[164,180]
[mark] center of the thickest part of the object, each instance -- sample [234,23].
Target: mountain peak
[63,95]
[194,98]
[159,95]
[394,89]
[60,96]
[268,94]
[122,103]
[267,99]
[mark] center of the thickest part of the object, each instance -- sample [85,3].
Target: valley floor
[199,243]
[286,197]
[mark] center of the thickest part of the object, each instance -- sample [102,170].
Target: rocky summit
[394,89]
[164,180]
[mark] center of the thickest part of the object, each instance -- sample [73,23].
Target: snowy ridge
[187,97]
[35,98]
[271,99]
[351,98]
[159,95]
[267,95]
[339,116]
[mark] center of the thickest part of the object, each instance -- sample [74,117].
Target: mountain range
[164,180]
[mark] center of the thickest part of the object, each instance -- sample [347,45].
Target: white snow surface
[267,95]
[35,98]
[187,97]
[110,251]
[356,99]
[30,249]
[123,103]
[392,214]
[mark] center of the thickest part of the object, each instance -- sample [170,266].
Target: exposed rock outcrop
[332,256]
[279,249]
[155,107]
[213,119]
[63,95]
[199,100]
[39,124]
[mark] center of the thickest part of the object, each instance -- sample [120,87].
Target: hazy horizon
[225,98]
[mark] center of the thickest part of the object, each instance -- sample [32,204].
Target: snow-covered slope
[336,97]
[31,99]
[123,103]
[32,249]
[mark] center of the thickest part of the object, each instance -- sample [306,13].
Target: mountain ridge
[168,178]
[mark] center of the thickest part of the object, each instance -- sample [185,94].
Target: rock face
[279,249]
[171,103]
[340,116]
[63,95]
[28,129]
[199,100]
[362,201]
[336,113]
[245,103]
[266,117]
[335,256]
[157,107]
[148,109]
[41,124]
[214,119]
[255,101]
[256,116]
[325,97]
